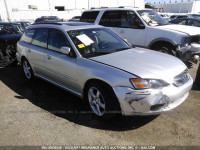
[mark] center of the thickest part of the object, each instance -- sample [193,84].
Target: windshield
[18,28]
[152,18]
[97,41]
[7,29]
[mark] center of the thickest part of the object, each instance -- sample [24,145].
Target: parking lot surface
[38,113]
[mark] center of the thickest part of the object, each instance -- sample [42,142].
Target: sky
[167,1]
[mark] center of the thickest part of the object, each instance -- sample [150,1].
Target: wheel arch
[104,83]
[161,41]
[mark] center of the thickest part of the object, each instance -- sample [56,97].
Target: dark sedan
[187,21]
[9,36]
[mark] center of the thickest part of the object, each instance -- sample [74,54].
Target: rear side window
[111,19]
[89,17]
[124,19]
[57,40]
[28,36]
[40,38]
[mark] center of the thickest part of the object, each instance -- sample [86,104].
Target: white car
[145,28]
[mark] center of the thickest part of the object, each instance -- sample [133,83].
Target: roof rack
[46,22]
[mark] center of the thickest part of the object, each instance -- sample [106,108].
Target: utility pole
[49,4]
[75,4]
[88,4]
[8,15]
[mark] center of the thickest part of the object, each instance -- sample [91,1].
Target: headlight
[139,83]
[181,78]
[185,41]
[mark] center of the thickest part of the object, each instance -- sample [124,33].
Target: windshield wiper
[119,49]
[95,54]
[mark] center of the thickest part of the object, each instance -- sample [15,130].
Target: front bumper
[150,101]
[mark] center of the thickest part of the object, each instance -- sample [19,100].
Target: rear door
[37,50]
[61,68]
[127,24]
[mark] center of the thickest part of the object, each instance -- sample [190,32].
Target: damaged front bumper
[151,101]
[189,52]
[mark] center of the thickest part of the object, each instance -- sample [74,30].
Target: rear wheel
[28,72]
[101,100]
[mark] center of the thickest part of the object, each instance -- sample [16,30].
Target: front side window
[40,38]
[97,41]
[28,36]
[152,18]
[56,40]
[196,23]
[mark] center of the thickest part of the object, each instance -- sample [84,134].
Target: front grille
[195,39]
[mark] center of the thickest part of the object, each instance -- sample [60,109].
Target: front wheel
[165,48]
[101,101]
[28,72]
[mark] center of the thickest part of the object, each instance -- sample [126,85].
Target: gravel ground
[38,113]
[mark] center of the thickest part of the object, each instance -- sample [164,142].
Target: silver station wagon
[104,70]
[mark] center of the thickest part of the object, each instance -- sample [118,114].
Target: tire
[101,100]
[27,70]
[165,48]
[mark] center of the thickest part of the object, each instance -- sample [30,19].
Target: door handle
[48,57]
[29,50]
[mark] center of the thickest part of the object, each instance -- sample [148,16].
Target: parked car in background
[9,36]
[187,21]
[18,27]
[197,16]
[97,65]
[146,28]
[165,16]
[24,24]
[48,19]
[177,17]
[75,18]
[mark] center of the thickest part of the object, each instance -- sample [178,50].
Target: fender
[162,39]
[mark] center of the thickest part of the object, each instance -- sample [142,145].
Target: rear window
[28,36]
[89,17]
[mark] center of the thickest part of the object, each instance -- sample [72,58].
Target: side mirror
[65,50]
[141,25]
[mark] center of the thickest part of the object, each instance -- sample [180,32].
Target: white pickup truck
[146,28]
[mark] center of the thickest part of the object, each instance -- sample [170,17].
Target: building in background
[29,10]
[178,7]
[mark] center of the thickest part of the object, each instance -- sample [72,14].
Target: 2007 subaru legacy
[103,69]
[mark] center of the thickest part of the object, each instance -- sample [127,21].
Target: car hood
[144,63]
[182,28]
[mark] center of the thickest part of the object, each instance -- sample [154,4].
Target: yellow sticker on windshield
[81,46]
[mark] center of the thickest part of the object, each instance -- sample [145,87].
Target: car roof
[5,23]
[116,8]
[65,25]
[9,23]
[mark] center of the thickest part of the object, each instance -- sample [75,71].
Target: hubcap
[27,69]
[96,101]
[164,50]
